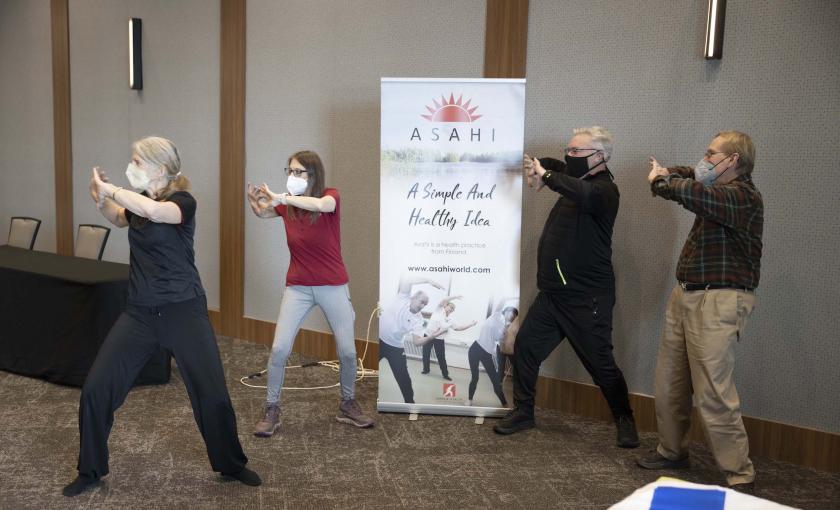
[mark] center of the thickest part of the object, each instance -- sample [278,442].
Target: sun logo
[451,110]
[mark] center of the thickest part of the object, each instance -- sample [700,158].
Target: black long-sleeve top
[575,249]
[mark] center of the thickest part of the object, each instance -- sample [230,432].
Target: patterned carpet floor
[158,458]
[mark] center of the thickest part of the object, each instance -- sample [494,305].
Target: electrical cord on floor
[334,365]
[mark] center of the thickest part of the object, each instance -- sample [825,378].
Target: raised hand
[656,170]
[93,188]
[533,171]
[101,188]
[528,169]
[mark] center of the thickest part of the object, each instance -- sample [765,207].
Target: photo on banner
[450,233]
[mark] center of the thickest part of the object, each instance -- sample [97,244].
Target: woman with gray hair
[166,309]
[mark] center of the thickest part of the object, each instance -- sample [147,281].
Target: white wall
[638,70]
[27,174]
[313,83]
[180,100]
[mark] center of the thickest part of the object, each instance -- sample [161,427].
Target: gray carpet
[158,458]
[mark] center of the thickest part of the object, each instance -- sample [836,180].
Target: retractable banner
[450,226]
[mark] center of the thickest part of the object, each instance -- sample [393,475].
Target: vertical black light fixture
[135,58]
[713,49]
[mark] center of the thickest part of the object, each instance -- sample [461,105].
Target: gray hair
[599,135]
[162,152]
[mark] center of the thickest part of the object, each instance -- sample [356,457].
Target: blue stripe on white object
[684,498]
[670,493]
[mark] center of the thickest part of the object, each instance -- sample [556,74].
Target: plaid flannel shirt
[724,245]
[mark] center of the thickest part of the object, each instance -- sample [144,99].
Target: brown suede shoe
[350,412]
[270,422]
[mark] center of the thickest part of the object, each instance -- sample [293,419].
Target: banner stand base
[453,410]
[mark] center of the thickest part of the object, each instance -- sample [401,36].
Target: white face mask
[137,177]
[296,185]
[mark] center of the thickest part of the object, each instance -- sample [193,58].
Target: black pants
[440,353]
[587,322]
[184,330]
[477,355]
[399,367]
[501,361]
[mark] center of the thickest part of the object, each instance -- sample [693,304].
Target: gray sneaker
[270,422]
[350,412]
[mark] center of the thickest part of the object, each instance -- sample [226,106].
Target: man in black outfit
[575,281]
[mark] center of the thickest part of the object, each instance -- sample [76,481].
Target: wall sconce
[713,49]
[135,58]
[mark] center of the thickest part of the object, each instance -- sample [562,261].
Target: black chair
[23,231]
[90,241]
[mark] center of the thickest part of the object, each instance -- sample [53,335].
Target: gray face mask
[704,171]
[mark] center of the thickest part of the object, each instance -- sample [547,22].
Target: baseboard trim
[790,443]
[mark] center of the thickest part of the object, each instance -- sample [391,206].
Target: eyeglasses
[709,153]
[576,151]
[297,171]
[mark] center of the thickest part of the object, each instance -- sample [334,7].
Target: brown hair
[315,169]
[163,153]
[736,141]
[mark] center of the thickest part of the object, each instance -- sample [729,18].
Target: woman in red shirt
[316,276]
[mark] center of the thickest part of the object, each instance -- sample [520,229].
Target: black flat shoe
[245,476]
[79,485]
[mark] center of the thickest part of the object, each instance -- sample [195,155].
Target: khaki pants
[697,356]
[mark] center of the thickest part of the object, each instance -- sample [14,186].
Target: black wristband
[546,176]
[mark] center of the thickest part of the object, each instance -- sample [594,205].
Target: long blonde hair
[162,152]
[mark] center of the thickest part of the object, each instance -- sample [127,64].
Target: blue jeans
[298,300]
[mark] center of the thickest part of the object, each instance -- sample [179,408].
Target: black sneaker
[516,420]
[626,436]
[424,372]
[654,460]
[447,377]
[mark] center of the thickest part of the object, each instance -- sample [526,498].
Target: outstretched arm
[158,212]
[465,326]
[325,204]
[419,340]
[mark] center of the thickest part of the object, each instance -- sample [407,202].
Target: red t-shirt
[315,248]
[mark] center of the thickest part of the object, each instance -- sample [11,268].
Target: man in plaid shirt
[717,274]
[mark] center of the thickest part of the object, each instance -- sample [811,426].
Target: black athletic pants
[440,353]
[587,322]
[501,362]
[399,367]
[477,355]
[184,330]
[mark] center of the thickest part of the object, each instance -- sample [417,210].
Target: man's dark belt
[687,286]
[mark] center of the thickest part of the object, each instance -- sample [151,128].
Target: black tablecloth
[55,312]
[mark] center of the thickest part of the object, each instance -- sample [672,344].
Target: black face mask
[578,167]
